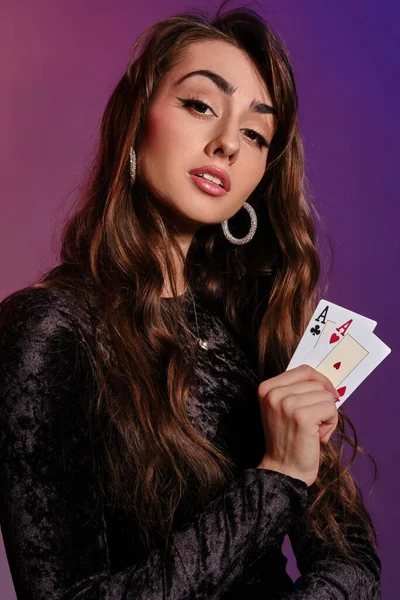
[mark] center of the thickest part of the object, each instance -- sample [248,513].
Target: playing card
[348,356]
[325,318]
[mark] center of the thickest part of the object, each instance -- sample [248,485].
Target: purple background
[58,70]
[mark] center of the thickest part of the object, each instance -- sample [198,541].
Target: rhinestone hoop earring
[253,227]
[132,165]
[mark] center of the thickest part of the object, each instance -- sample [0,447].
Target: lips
[215,172]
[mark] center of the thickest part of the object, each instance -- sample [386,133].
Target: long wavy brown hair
[117,245]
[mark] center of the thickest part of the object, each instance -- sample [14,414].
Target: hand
[298,412]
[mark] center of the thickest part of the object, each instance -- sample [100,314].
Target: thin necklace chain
[202,343]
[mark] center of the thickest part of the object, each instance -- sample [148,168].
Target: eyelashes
[194,104]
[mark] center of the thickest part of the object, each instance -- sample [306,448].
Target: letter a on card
[342,329]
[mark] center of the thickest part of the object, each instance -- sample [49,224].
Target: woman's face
[178,138]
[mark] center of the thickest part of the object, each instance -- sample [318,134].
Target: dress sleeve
[326,575]
[52,520]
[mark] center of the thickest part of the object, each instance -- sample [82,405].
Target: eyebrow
[228,89]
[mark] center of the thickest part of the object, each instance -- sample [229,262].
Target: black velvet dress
[63,542]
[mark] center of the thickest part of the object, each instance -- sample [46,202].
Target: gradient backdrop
[60,63]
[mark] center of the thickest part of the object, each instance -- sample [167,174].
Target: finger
[325,431]
[300,387]
[327,435]
[316,413]
[301,373]
[328,415]
[304,409]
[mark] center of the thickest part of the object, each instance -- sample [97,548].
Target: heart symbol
[342,391]
[337,365]
[334,338]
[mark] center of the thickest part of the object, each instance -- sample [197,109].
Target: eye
[199,105]
[261,141]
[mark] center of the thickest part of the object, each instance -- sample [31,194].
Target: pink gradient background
[60,63]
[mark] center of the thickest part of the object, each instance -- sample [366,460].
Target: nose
[225,142]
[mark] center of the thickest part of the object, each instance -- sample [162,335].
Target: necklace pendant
[203,344]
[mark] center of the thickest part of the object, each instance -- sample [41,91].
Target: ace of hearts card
[347,356]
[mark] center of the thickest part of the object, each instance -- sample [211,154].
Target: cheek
[159,151]
[162,132]
[153,132]
[251,177]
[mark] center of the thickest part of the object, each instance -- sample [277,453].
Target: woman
[153,445]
